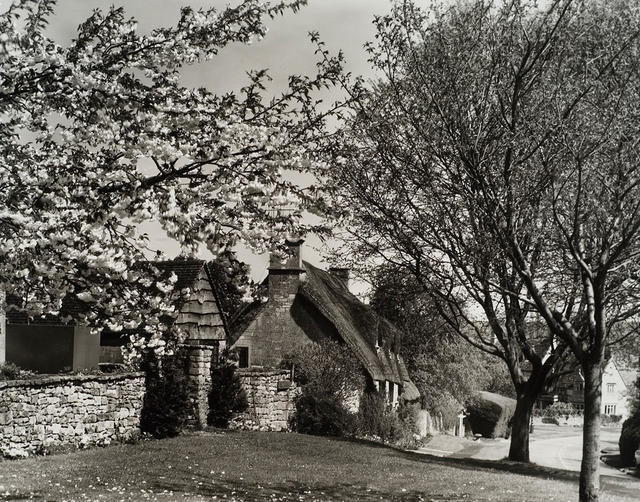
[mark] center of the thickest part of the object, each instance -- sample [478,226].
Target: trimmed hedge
[490,414]
[629,440]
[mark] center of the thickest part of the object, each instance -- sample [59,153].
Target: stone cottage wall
[75,410]
[271,396]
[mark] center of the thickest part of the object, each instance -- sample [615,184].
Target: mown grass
[246,466]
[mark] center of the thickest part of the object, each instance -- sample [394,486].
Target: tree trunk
[519,447]
[590,469]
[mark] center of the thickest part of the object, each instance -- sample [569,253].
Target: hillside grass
[245,466]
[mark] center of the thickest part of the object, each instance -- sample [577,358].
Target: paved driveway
[550,446]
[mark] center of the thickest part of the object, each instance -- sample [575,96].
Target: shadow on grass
[292,490]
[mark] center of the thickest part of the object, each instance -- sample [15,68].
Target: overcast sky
[342,24]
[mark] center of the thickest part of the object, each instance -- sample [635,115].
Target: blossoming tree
[75,123]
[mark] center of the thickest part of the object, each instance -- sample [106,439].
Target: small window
[243,354]
[610,409]
[610,387]
[391,389]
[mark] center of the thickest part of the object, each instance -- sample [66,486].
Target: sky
[343,24]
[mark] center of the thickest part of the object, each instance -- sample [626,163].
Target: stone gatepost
[198,364]
[3,329]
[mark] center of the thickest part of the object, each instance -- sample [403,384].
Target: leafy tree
[101,135]
[231,279]
[497,161]
[326,368]
[442,365]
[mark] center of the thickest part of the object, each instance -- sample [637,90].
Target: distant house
[49,344]
[196,301]
[306,304]
[617,384]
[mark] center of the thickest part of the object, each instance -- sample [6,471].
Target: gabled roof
[187,271]
[629,377]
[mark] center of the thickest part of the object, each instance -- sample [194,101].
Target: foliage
[166,405]
[447,410]
[321,415]
[490,414]
[10,371]
[611,419]
[100,135]
[226,397]
[507,171]
[329,373]
[326,368]
[231,278]
[376,418]
[442,365]
[560,410]
[629,440]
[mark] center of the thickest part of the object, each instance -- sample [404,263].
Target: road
[551,446]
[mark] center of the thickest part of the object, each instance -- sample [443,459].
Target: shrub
[610,419]
[629,440]
[166,404]
[448,409]
[227,397]
[326,368]
[490,414]
[376,418]
[321,415]
[10,371]
[560,410]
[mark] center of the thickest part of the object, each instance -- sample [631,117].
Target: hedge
[630,439]
[490,414]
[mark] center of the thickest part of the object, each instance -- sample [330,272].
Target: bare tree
[496,159]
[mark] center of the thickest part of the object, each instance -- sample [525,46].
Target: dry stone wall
[271,396]
[73,410]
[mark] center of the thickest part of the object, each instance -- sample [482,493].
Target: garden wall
[271,396]
[74,410]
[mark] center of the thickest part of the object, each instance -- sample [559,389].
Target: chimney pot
[341,273]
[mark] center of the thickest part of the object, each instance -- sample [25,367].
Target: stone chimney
[342,274]
[284,275]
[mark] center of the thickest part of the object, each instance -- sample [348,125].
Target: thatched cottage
[307,304]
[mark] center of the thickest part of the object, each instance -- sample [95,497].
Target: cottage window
[610,409]
[391,389]
[243,354]
[610,387]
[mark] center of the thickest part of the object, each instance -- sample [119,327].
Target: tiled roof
[186,270]
[71,307]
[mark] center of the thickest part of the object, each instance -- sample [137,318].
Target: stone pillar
[460,428]
[198,363]
[3,329]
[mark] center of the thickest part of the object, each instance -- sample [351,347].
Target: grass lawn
[247,466]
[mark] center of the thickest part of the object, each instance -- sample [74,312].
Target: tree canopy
[101,135]
[497,160]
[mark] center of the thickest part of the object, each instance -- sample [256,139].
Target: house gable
[200,314]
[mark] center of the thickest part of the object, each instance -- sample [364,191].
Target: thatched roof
[375,341]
